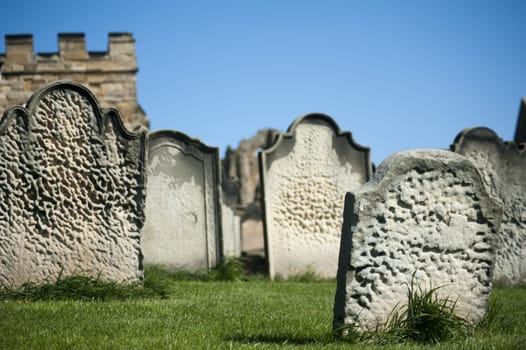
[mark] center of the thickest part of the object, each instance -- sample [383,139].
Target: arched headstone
[71,190]
[305,175]
[183,221]
[503,166]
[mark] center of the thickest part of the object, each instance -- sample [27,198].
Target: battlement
[72,56]
[111,74]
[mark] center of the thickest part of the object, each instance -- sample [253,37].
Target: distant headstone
[71,190]
[520,130]
[231,231]
[305,176]
[183,221]
[503,166]
[425,213]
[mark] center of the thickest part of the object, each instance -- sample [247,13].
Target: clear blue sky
[397,74]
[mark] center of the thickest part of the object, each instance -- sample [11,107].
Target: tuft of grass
[229,269]
[427,318]
[88,288]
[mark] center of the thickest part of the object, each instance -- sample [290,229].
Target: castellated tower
[110,75]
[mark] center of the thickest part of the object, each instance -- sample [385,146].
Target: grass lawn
[254,314]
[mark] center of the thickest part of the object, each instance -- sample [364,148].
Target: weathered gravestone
[183,221]
[503,166]
[305,176]
[71,190]
[425,213]
[231,232]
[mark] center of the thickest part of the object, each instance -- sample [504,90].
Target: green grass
[247,313]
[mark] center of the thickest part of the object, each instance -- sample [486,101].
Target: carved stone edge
[262,162]
[155,140]
[485,134]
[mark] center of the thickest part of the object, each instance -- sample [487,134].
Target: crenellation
[110,74]
[72,46]
[19,48]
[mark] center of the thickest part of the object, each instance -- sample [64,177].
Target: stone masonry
[110,75]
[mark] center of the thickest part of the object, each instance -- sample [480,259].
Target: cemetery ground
[224,309]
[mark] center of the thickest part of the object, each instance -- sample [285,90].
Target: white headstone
[305,176]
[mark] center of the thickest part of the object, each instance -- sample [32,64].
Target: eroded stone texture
[182,229]
[71,190]
[424,212]
[305,176]
[503,166]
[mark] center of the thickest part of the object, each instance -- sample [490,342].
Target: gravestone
[183,221]
[305,175]
[231,231]
[503,166]
[425,213]
[520,130]
[71,190]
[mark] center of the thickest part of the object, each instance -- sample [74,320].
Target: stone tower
[110,75]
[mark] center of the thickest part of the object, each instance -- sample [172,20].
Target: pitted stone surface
[71,190]
[503,166]
[305,176]
[182,229]
[425,213]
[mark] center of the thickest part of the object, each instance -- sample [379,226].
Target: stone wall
[110,75]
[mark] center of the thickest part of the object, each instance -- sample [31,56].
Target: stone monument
[71,190]
[426,215]
[183,221]
[305,176]
[503,166]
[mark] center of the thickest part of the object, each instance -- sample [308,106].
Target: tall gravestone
[183,221]
[520,130]
[503,166]
[426,215]
[305,176]
[71,190]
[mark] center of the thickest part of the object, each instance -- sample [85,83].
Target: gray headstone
[183,221]
[305,176]
[503,166]
[520,130]
[231,232]
[424,212]
[71,190]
